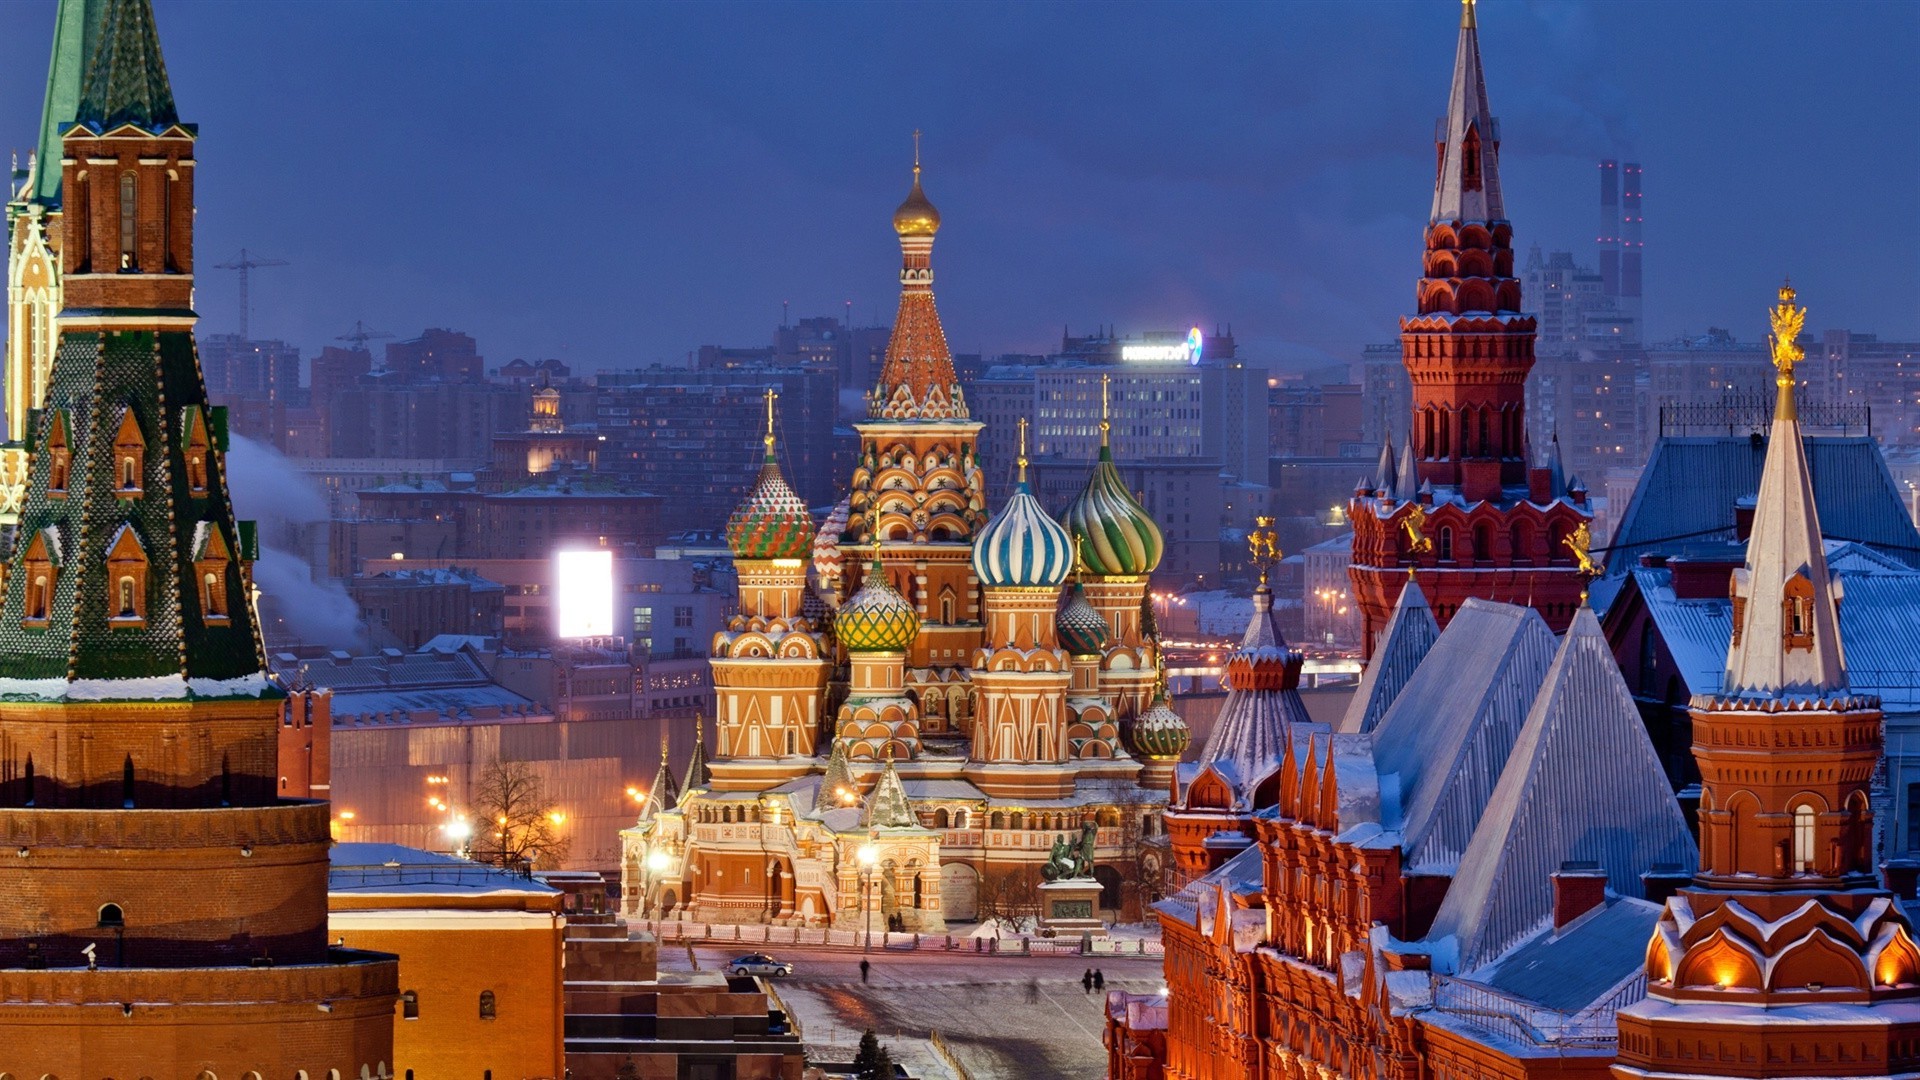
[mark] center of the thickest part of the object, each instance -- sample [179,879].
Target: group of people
[1093,980]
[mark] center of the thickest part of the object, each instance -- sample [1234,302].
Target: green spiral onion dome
[772,523]
[1022,546]
[1159,732]
[1083,631]
[877,618]
[1118,537]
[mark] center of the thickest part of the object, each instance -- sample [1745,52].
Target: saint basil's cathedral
[917,697]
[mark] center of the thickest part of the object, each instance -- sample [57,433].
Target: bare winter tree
[1011,896]
[518,822]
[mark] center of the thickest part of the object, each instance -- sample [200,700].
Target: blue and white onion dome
[1022,546]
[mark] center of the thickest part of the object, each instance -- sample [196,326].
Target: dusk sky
[616,184]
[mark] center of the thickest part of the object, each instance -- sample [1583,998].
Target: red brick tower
[1464,507]
[1782,959]
[138,727]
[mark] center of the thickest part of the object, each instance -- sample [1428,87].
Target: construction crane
[245,264]
[361,335]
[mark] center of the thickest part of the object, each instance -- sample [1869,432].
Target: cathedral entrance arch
[1109,880]
[960,892]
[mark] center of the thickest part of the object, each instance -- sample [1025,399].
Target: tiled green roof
[126,81]
[75,31]
[98,378]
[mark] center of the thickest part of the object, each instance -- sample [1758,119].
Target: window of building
[128,191]
[486,1005]
[127,570]
[129,454]
[409,1006]
[682,616]
[1803,818]
[112,917]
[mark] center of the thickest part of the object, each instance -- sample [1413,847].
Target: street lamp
[868,856]
[459,832]
[657,862]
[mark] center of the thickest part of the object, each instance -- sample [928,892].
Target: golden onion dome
[877,618]
[916,216]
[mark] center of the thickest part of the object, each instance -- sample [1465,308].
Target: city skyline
[1142,194]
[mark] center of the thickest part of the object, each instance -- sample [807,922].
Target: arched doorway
[1109,880]
[960,892]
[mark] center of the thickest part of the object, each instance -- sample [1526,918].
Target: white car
[758,964]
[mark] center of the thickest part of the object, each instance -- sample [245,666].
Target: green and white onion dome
[1083,631]
[1022,546]
[877,618]
[772,523]
[1119,538]
[1159,732]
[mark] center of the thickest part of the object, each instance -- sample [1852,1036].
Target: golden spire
[1022,459]
[1788,321]
[768,439]
[1263,547]
[1468,20]
[1106,421]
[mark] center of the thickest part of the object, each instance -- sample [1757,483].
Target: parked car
[758,964]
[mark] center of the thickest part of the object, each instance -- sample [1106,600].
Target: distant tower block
[1609,238]
[1631,244]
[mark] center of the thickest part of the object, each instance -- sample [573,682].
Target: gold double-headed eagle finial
[1788,321]
[1263,546]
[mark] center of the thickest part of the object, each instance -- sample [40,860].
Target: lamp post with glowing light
[657,862]
[868,855]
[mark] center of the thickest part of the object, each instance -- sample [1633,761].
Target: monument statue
[1070,860]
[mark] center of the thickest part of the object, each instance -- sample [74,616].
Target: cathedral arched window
[1446,543]
[129,190]
[1803,833]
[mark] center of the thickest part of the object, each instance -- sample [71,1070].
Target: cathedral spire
[76,30]
[1468,140]
[126,80]
[917,381]
[1786,638]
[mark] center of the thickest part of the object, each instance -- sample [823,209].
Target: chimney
[1743,517]
[1901,876]
[1578,887]
[1540,485]
[1660,883]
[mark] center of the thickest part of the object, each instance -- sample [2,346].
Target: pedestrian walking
[1099,980]
[1087,980]
[864,968]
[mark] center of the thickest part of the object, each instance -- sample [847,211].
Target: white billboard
[583,594]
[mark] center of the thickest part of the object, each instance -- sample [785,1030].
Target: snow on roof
[1448,734]
[1251,730]
[1571,969]
[1410,632]
[387,869]
[1582,783]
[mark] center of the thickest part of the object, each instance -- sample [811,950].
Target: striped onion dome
[1119,538]
[877,618]
[772,523]
[1082,630]
[826,542]
[1022,546]
[1159,732]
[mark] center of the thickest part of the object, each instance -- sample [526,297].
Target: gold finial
[1106,416]
[1263,546]
[1788,321]
[1023,450]
[1581,544]
[1079,555]
[1415,526]
[768,439]
[1468,20]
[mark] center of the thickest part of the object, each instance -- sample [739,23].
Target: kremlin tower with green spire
[138,724]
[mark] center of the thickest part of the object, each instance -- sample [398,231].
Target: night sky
[617,184]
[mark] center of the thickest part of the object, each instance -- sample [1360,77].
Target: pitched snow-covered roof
[1582,783]
[1404,642]
[1448,734]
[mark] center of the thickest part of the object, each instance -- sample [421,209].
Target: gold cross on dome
[916,149]
[772,395]
[1022,459]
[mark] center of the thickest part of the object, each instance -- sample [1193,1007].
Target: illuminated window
[127,570]
[129,454]
[1803,839]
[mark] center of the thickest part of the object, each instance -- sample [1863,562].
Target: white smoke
[290,509]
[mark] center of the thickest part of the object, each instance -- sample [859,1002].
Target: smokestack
[1610,228]
[1630,241]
